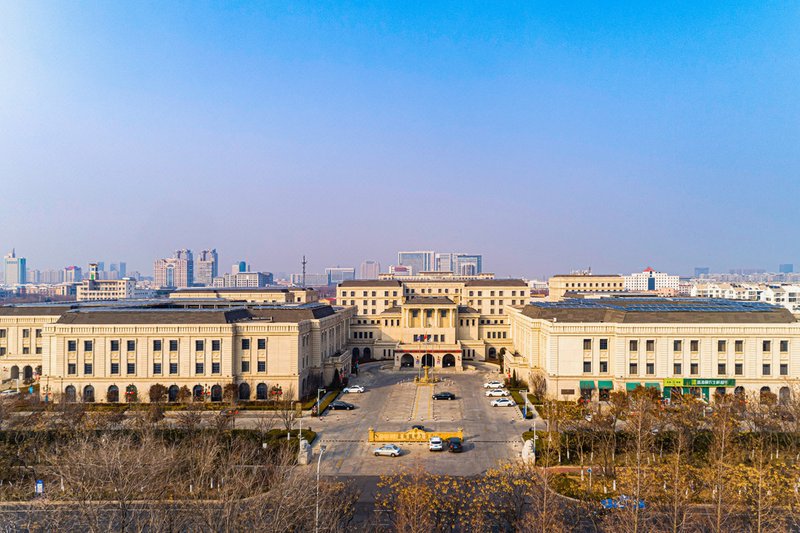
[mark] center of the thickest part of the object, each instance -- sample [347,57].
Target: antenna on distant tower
[304,271]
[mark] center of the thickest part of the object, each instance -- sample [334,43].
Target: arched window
[197,393]
[172,393]
[27,372]
[356,354]
[367,353]
[784,395]
[407,361]
[69,393]
[448,360]
[15,372]
[261,391]
[88,394]
[244,391]
[492,353]
[216,393]
[112,396]
[427,360]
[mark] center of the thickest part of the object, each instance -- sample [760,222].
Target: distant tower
[304,271]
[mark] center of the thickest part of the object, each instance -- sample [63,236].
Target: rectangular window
[156,346]
[131,368]
[694,346]
[198,368]
[38,334]
[87,369]
[39,350]
[634,346]
[87,346]
[115,368]
[2,334]
[766,346]
[26,333]
[198,346]
[262,366]
[173,368]
[651,345]
[26,349]
[677,346]
[72,346]
[604,344]
[2,350]
[694,369]
[784,369]
[738,369]
[722,346]
[173,346]
[156,368]
[245,366]
[215,367]
[721,369]
[650,369]
[766,369]
[72,368]
[633,369]
[677,369]
[738,346]
[245,344]
[131,346]
[587,366]
[215,345]
[262,344]
[784,346]
[604,366]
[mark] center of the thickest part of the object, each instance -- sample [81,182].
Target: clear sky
[548,136]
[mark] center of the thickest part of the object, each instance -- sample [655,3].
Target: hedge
[326,401]
[521,403]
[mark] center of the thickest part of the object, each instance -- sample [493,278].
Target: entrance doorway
[407,361]
[427,360]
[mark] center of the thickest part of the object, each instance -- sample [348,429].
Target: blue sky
[547,136]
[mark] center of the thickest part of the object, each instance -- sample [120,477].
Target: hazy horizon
[547,138]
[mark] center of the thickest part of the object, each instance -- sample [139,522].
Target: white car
[392,450]
[503,402]
[354,388]
[492,385]
[497,392]
[9,392]
[436,444]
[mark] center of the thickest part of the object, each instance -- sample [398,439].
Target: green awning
[653,386]
[631,386]
[587,385]
[605,385]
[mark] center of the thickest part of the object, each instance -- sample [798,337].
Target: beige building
[587,348]
[106,289]
[438,322]
[559,286]
[102,353]
[271,295]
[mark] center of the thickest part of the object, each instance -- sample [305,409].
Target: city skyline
[563,138]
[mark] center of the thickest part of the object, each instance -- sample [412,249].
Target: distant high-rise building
[72,274]
[418,261]
[369,270]
[336,275]
[786,268]
[206,267]
[701,271]
[312,280]
[33,276]
[101,266]
[459,263]
[240,266]
[244,279]
[15,269]
[51,277]
[174,272]
[650,280]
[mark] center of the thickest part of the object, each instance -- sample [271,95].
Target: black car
[338,405]
[444,396]
[454,445]
[417,426]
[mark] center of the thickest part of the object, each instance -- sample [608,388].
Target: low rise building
[264,295]
[651,280]
[558,286]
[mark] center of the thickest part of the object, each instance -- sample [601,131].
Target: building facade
[587,348]
[206,267]
[650,280]
[174,272]
[15,269]
[369,270]
[419,261]
[337,275]
[99,354]
[244,279]
[559,286]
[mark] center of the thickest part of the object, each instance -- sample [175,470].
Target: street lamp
[535,438]
[316,514]
[319,411]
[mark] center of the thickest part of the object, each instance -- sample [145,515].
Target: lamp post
[319,411]
[535,437]
[316,513]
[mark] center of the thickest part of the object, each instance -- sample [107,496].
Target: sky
[548,136]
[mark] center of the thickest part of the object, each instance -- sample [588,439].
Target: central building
[437,320]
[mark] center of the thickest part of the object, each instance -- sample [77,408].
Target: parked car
[418,426]
[503,402]
[454,445]
[493,384]
[497,392]
[338,405]
[9,392]
[435,444]
[622,502]
[392,450]
[354,388]
[444,396]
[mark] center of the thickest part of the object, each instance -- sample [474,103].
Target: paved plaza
[393,402]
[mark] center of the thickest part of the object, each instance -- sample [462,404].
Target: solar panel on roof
[662,305]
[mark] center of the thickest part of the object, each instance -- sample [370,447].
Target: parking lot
[393,402]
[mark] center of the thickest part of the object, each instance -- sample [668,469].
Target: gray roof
[154,316]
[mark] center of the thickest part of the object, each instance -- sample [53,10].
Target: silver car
[496,392]
[392,450]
